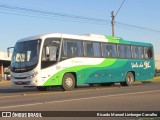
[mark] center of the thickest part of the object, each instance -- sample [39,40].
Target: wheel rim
[69,82]
[130,79]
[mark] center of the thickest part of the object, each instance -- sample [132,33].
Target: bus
[68,60]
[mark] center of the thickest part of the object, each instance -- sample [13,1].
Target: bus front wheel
[129,79]
[68,82]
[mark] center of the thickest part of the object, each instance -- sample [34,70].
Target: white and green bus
[69,60]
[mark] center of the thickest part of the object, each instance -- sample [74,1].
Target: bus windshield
[25,56]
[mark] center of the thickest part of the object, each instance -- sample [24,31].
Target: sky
[17,23]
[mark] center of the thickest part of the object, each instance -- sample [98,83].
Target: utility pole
[113,22]
[113,18]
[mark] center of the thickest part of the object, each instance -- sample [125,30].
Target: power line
[51,13]
[61,16]
[52,18]
[138,27]
[119,8]
[139,32]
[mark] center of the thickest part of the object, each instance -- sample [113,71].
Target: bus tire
[129,80]
[41,88]
[68,82]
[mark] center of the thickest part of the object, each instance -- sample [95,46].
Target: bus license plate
[19,82]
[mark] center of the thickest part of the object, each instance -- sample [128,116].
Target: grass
[154,80]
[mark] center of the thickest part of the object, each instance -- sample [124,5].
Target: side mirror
[8,50]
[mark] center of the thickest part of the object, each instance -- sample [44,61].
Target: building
[4,64]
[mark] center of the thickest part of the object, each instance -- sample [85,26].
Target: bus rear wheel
[68,82]
[129,80]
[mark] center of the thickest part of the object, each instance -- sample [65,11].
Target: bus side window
[109,50]
[88,49]
[148,52]
[114,50]
[127,51]
[140,52]
[121,51]
[96,49]
[79,48]
[134,52]
[69,48]
[106,51]
[50,52]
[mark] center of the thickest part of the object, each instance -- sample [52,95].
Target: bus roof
[91,37]
[88,37]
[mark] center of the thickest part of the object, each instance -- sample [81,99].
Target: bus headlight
[33,75]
